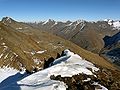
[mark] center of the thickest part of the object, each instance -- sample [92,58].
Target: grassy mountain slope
[28,48]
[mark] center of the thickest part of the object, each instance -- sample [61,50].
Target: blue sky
[35,10]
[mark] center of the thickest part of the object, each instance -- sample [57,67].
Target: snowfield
[6,72]
[68,65]
[115,24]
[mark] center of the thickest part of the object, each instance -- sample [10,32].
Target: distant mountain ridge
[92,36]
[27,47]
[114,23]
[88,35]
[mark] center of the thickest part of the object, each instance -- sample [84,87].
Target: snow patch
[5,72]
[114,24]
[8,19]
[103,88]
[5,48]
[15,54]
[70,24]
[1,55]
[3,44]
[88,79]
[54,24]
[33,52]
[72,64]
[19,28]
[83,25]
[40,52]
[47,21]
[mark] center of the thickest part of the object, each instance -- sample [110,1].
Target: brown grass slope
[32,40]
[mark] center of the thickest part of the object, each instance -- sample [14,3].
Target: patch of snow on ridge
[33,52]
[5,72]
[54,24]
[47,21]
[19,28]
[8,19]
[68,65]
[70,24]
[3,44]
[72,64]
[40,52]
[102,87]
[114,24]
[88,79]
[1,55]
[110,22]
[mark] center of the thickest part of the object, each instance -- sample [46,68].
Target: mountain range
[88,51]
[88,35]
[91,36]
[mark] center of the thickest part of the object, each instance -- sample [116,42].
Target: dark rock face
[107,41]
[111,40]
[48,62]
[114,54]
[76,82]
[111,49]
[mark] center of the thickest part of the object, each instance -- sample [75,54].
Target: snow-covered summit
[5,72]
[48,21]
[69,64]
[68,53]
[115,24]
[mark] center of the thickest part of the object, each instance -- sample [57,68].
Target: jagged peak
[48,21]
[114,23]
[68,21]
[6,20]
[80,20]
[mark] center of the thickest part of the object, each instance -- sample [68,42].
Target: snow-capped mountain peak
[48,21]
[80,21]
[6,20]
[114,23]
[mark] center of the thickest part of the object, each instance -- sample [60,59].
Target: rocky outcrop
[104,77]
